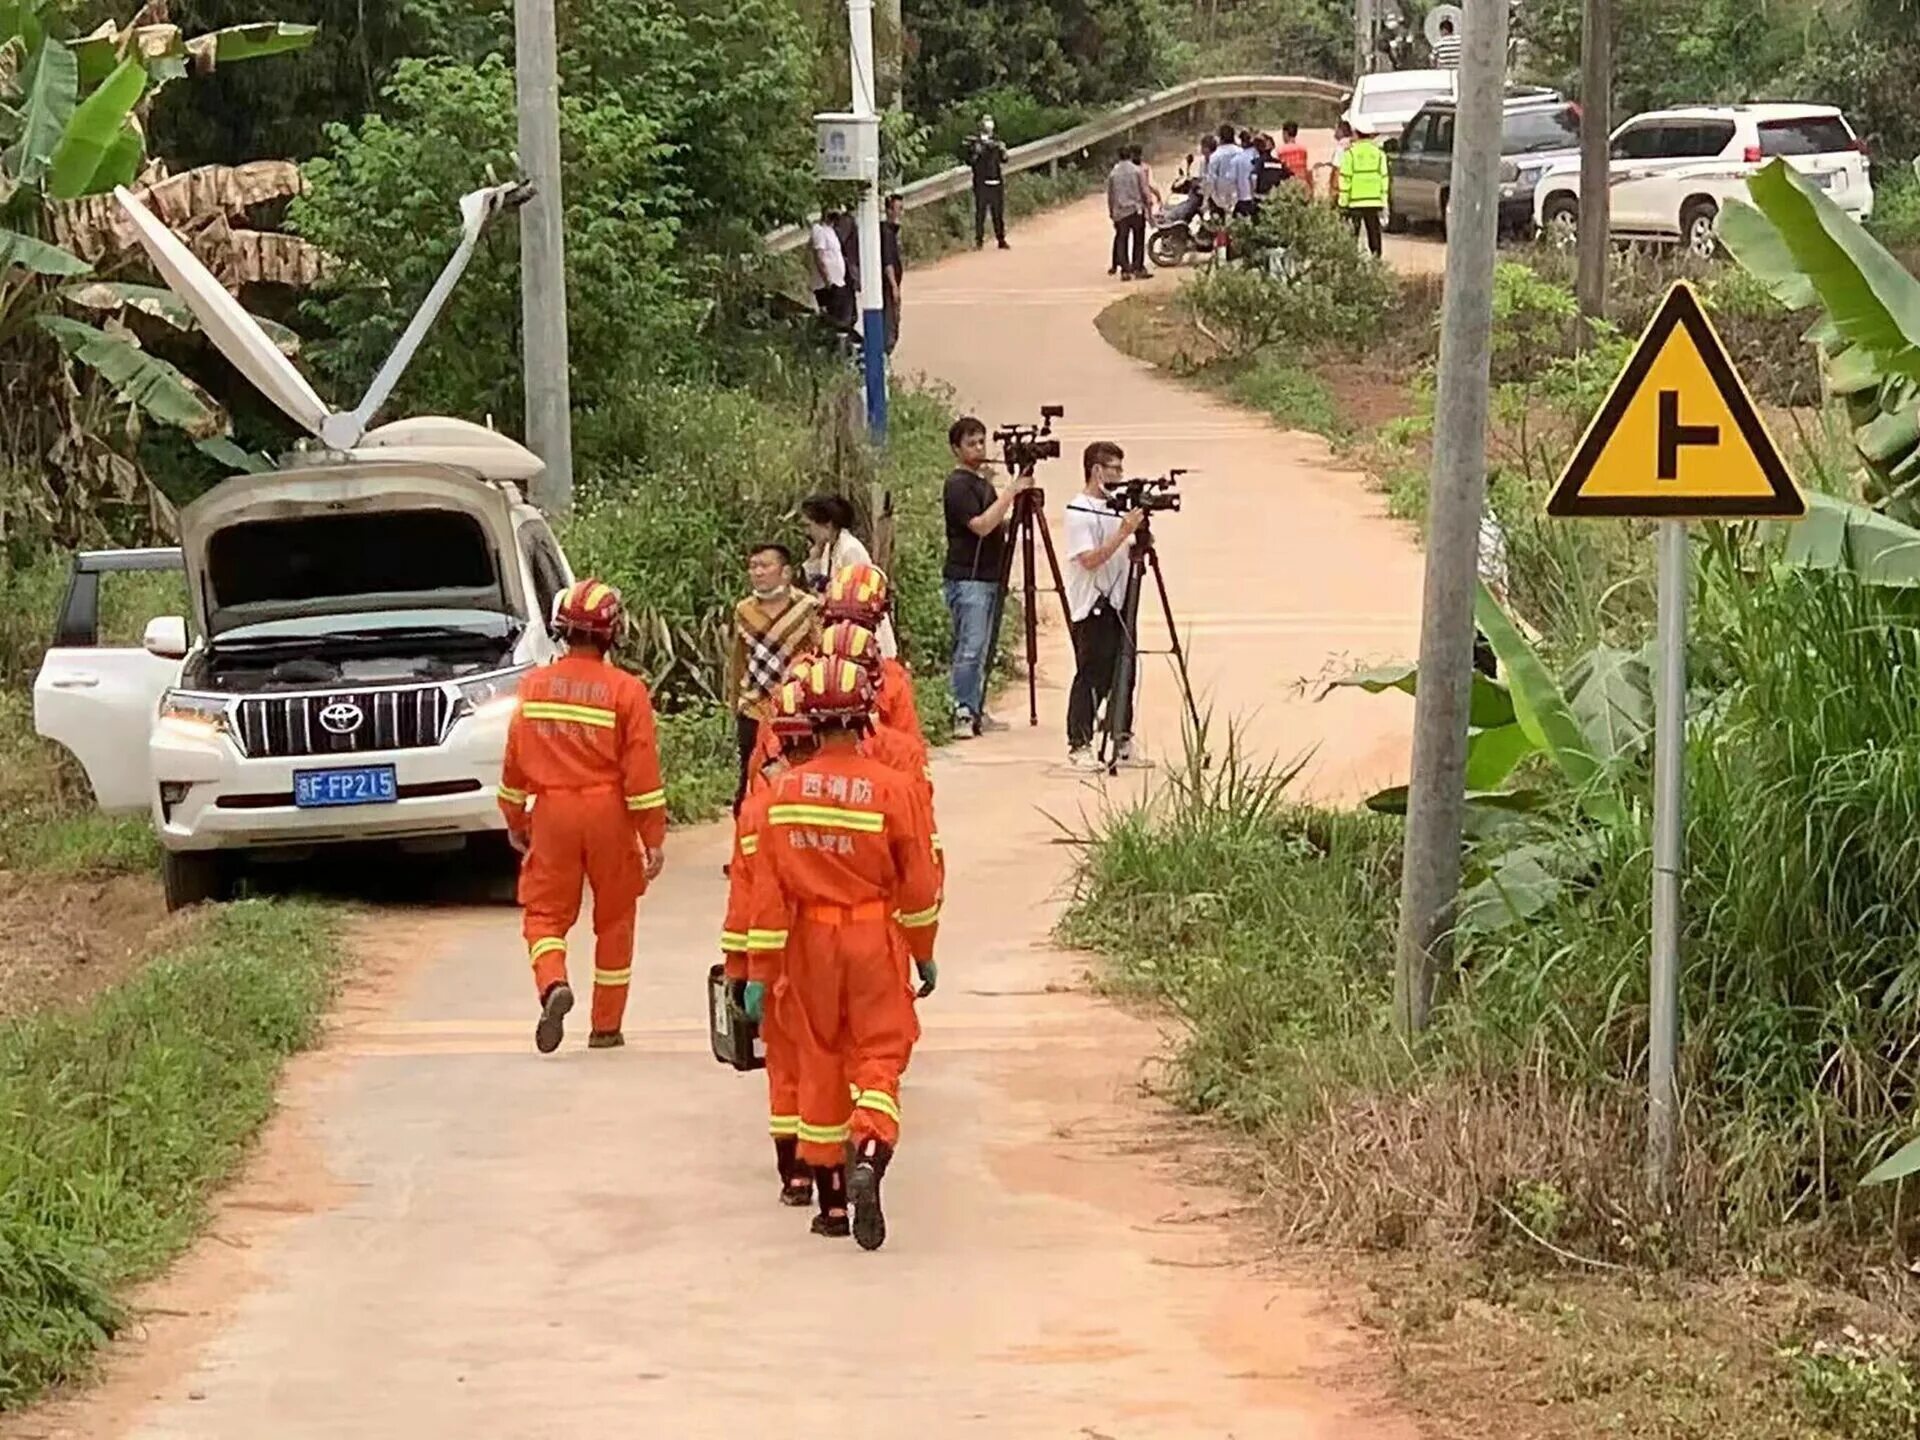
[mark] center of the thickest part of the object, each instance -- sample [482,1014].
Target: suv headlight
[490,694]
[197,714]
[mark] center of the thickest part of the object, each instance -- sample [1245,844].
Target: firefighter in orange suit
[584,803]
[843,857]
[859,593]
[790,731]
[905,751]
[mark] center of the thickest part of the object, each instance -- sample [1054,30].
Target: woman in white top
[833,547]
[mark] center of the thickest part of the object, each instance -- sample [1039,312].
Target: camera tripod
[1117,728]
[1029,518]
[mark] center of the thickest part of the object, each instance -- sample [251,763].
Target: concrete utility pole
[543,256]
[1436,803]
[1596,128]
[873,322]
[1363,24]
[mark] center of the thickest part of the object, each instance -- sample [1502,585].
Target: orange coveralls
[844,857]
[783,1070]
[894,699]
[581,748]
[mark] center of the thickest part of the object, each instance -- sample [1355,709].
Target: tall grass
[121,1118]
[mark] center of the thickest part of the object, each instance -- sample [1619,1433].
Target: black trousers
[990,200]
[1369,220]
[1096,654]
[1130,245]
[746,731]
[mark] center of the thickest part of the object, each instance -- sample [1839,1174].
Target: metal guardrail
[1117,121]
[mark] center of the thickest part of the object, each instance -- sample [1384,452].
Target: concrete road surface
[445,1235]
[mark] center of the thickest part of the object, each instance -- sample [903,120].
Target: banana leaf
[1542,711]
[1841,535]
[1759,246]
[1393,801]
[1903,1162]
[95,129]
[1870,296]
[38,256]
[1517,886]
[1490,706]
[1610,692]
[51,93]
[249,42]
[139,378]
[123,162]
[154,300]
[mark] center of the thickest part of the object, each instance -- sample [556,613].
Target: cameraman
[976,554]
[1096,544]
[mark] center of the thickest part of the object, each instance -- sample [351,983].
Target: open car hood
[347,539]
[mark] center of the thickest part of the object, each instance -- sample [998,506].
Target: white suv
[359,620]
[1672,170]
[361,631]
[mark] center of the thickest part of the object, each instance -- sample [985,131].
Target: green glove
[929,976]
[754,1000]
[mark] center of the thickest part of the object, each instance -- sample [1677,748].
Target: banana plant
[72,127]
[1808,252]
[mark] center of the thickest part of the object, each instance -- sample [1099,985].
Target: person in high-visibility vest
[1363,187]
[581,791]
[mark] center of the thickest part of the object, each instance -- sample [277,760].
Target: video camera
[1025,446]
[1148,495]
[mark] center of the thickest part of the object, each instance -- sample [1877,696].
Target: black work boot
[554,1006]
[863,1190]
[796,1180]
[830,1187]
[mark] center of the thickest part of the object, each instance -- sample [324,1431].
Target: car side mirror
[166,636]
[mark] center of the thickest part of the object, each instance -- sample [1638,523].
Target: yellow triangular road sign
[1678,437]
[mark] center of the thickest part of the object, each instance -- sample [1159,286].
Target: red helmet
[789,721]
[836,691]
[589,610]
[845,640]
[858,593]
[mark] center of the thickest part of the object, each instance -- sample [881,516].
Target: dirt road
[446,1235]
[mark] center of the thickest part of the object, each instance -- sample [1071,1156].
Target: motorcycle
[1201,233]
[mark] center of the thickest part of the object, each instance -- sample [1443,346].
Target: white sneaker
[1086,759]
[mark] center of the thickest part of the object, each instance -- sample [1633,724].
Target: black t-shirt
[890,262]
[971,556]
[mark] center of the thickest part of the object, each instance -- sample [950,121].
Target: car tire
[1560,221]
[1446,199]
[196,877]
[1698,230]
[1168,247]
[1396,222]
[497,864]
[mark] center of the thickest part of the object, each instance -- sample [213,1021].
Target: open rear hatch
[348,539]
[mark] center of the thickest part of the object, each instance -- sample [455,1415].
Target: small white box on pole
[847,146]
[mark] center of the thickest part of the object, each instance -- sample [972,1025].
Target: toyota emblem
[342,717]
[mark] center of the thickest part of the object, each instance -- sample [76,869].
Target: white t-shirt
[848,550]
[829,261]
[1090,524]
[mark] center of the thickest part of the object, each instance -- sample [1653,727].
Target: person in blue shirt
[1246,165]
[1223,180]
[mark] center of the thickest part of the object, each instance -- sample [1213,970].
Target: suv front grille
[413,718]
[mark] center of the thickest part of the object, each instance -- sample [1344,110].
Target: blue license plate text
[360,785]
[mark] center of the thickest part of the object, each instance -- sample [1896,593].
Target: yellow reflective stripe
[878,1100]
[749,844]
[919,917]
[825,1134]
[652,800]
[870,822]
[579,714]
[733,939]
[511,795]
[766,939]
[541,947]
[781,1126]
[594,595]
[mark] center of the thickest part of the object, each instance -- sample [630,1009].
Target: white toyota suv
[358,623]
[1673,170]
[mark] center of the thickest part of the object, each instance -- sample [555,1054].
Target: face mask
[772,592]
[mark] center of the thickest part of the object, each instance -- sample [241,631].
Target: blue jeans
[970,603]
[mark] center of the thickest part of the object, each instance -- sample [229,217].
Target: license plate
[355,785]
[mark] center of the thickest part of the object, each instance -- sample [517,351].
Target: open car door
[100,701]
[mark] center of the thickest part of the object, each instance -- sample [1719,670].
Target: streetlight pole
[1596,129]
[873,322]
[543,256]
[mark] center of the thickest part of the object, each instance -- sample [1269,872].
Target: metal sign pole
[1669,853]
